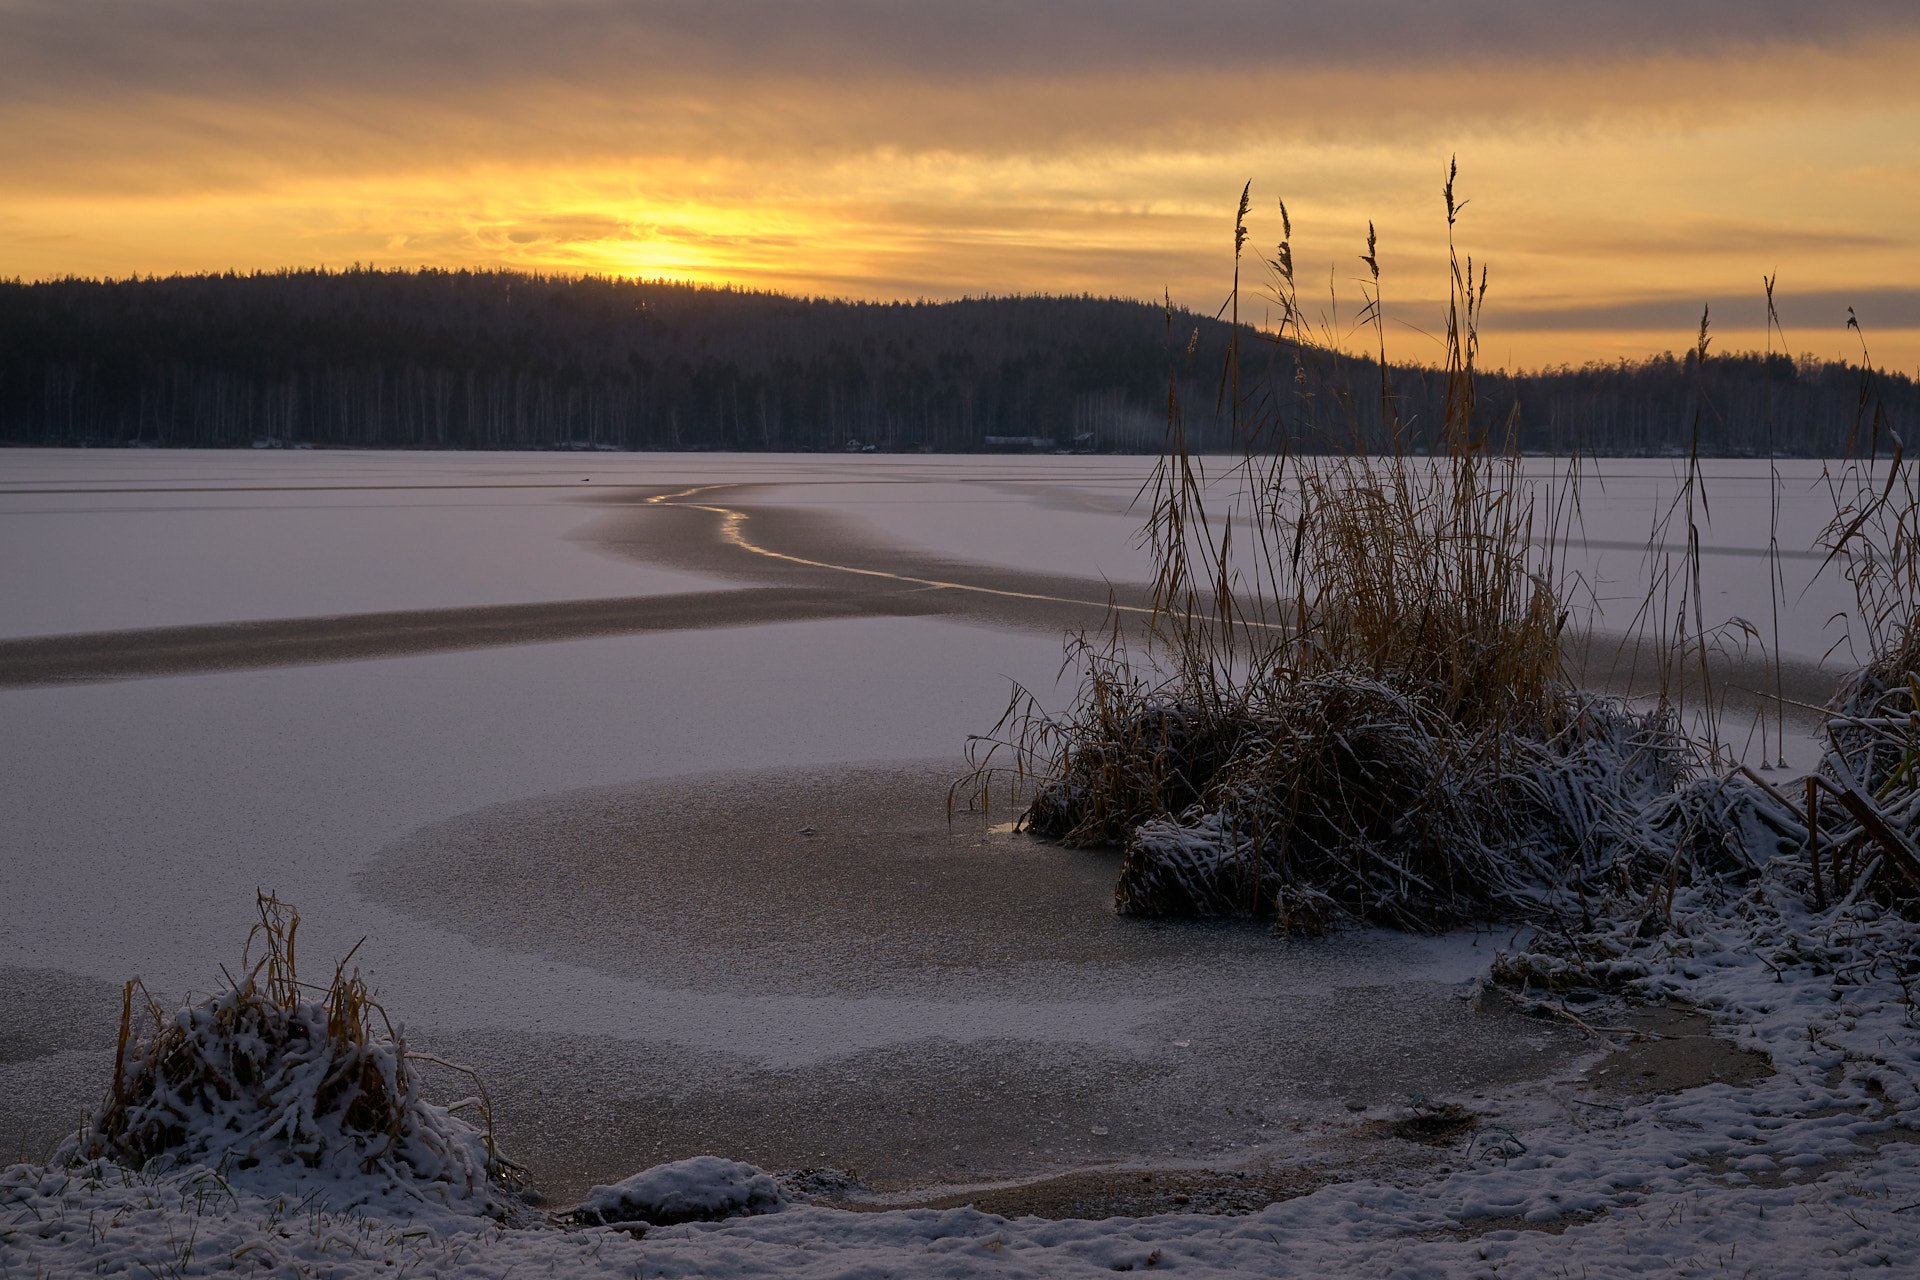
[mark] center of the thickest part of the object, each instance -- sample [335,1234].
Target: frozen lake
[110,540]
[516,805]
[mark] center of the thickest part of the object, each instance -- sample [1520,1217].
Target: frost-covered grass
[1354,702]
[1343,796]
[1863,802]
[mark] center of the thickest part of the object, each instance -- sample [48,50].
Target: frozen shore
[808,967]
[1812,1169]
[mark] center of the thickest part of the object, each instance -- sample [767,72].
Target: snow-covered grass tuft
[1351,798]
[273,1075]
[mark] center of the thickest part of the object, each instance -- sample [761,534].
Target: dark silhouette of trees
[500,360]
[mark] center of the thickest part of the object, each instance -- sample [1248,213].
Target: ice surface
[134,806]
[141,815]
[1073,516]
[110,561]
[125,538]
[200,788]
[1622,501]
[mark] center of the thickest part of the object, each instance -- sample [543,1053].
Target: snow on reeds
[276,1073]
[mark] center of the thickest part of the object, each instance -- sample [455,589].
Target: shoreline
[794,1024]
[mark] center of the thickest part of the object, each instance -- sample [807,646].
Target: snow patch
[698,1189]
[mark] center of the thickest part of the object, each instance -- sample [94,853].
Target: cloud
[440,45]
[557,229]
[1627,160]
[1694,238]
[1885,307]
[233,92]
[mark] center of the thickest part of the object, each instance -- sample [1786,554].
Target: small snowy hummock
[698,1189]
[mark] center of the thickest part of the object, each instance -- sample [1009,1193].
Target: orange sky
[1626,162]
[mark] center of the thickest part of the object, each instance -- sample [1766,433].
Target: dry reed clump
[1357,801]
[1359,710]
[1427,574]
[1396,755]
[1344,803]
[1132,755]
[1394,743]
[273,1071]
[1863,802]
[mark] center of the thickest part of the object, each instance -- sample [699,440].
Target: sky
[1626,163]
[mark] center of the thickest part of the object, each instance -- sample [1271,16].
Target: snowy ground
[1813,1170]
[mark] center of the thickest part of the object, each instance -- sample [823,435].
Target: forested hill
[498,360]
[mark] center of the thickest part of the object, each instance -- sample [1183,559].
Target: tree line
[504,360]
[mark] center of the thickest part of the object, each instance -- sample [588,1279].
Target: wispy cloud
[438,47]
[1882,308]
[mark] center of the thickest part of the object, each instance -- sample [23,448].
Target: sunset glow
[1627,164]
